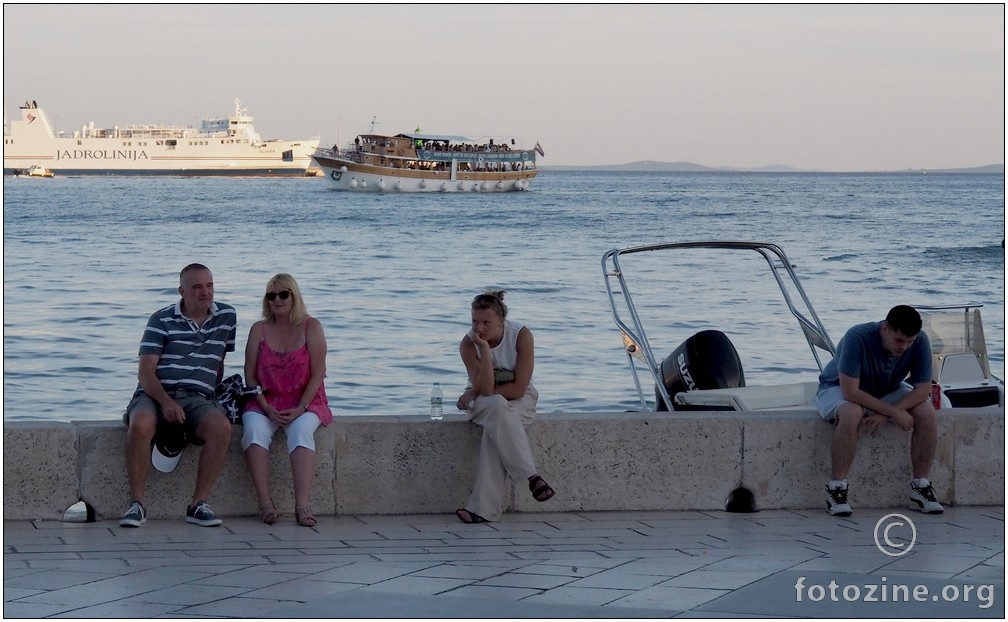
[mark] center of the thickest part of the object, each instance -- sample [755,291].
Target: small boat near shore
[415,162]
[228,146]
[35,170]
[705,372]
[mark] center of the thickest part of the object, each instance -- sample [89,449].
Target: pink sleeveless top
[284,376]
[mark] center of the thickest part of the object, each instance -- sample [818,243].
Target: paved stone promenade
[568,565]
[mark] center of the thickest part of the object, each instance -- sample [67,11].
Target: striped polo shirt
[190,355]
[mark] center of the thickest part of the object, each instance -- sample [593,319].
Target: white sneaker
[924,498]
[836,501]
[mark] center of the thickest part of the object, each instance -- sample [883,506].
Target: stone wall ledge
[595,461]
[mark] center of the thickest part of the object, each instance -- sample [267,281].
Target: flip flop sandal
[541,491]
[466,516]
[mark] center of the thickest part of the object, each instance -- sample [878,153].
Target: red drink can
[936,395]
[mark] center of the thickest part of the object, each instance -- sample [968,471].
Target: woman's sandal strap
[466,516]
[541,491]
[269,513]
[304,517]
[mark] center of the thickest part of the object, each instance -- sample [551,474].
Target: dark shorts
[196,406]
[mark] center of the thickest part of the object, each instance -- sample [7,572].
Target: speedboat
[960,365]
[705,371]
[35,170]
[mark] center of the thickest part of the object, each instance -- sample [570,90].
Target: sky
[853,87]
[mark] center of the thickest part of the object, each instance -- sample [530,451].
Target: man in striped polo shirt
[181,361]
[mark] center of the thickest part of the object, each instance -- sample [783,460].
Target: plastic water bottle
[436,407]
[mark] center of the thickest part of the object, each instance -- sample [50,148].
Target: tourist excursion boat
[428,163]
[220,146]
[705,371]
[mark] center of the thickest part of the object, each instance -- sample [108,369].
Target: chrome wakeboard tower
[636,345]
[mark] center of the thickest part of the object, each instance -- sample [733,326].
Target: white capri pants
[259,430]
[504,449]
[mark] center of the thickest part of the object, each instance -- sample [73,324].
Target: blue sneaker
[135,516]
[201,514]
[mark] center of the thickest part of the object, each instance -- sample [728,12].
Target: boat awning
[449,138]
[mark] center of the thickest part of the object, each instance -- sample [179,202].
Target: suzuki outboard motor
[707,360]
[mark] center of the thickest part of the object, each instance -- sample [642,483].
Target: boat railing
[637,346]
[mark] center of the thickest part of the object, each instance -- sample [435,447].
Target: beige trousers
[504,450]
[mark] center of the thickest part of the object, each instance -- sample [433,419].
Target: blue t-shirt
[861,354]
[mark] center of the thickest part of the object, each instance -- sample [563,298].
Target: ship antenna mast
[374,120]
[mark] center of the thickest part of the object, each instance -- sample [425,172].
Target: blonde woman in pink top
[286,356]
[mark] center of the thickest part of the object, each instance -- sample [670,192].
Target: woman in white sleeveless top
[499,356]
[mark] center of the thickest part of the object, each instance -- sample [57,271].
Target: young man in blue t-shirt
[863,388]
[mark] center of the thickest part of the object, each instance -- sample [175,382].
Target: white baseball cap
[169,442]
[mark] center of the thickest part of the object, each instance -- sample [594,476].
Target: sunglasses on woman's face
[284,295]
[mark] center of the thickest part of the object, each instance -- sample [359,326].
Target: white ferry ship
[220,146]
[428,163]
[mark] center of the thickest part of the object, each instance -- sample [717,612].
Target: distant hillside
[653,166]
[990,168]
[646,166]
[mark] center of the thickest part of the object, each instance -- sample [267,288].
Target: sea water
[391,276]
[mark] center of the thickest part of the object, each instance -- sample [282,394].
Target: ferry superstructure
[415,162]
[219,146]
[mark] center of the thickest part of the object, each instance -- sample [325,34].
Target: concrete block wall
[595,461]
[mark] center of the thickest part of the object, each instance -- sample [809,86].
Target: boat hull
[347,175]
[102,157]
[179,172]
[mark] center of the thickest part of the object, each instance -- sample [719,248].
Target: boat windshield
[955,330]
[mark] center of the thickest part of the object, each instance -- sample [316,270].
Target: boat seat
[781,396]
[961,368]
[965,383]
